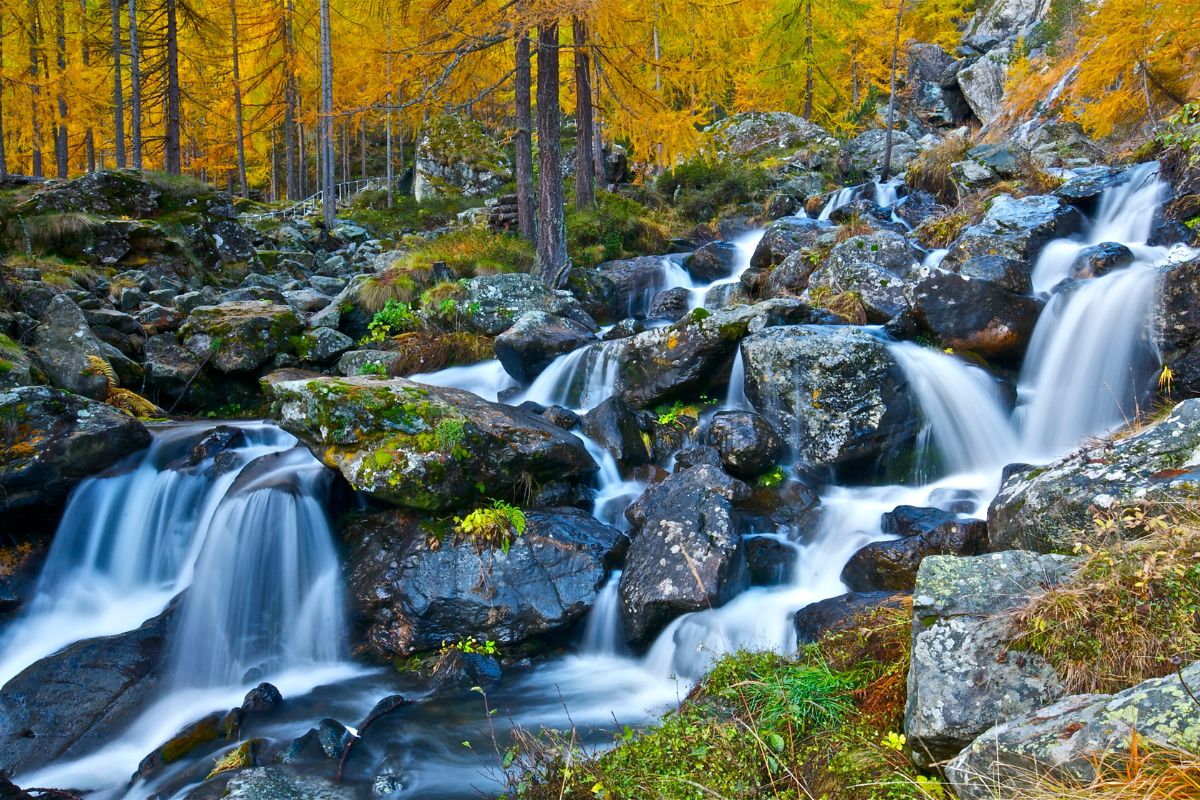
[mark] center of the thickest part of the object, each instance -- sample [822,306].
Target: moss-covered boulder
[880,268]
[1071,741]
[240,336]
[774,138]
[426,447]
[457,157]
[1048,508]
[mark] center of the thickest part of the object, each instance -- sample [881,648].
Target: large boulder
[839,613]
[80,698]
[712,262]
[634,283]
[66,348]
[51,440]
[1016,229]
[118,193]
[982,84]
[835,393]
[791,139]
[425,447]
[416,583]
[1045,508]
[1177,325]
[881,268]
[240,336]
[867,151]
[496,302]
[696,352]
[457,157]
[892,565]
[746,442]
[536,339]
[786,236]
[963,680]
[686,552]
[1073,740]
[614,425]
[975,315]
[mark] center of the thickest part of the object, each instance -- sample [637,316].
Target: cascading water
[603,635]
[488,379]
[579,380]
[839,199]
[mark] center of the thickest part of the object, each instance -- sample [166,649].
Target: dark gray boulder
[536,339]
[1015,228]
[746,442]
[975,315]
[838,613]
[922,532]
[712,262]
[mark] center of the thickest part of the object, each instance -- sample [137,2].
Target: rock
[333,737]
[1101,259]
[1086,185]
[188,301]
[924,532]
[498,301]
[1002,159]
[273,783]
[81,698]
[243,335]
[1008,273]
[1059,144]
[963,680]
[262,698]
[1177,325]
[881,268]
[1016,229]
[15,367]
[614,425]
[1042,508]
[1003,19]
[322,345]
[692,355]
[867,150]
[116,193]
[770,561]
[839,613]
[786,236]
[456,157]
[184,744]
[973,176]
[596,293]
[368,362]
[686,550]
[670,304]
[174,372]
[306,301]
[536,339]
[51,440]
[1069,740]
[835,394]
[791,277]
[635,282]
[422,446]
[153,318]
[982,84]
[975,315]
[756,135]
[712,262]
[62,344]
[409,596]
[747,443]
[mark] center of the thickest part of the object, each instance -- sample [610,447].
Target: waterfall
[735,395]
[613,493]
[603,634]
[843,196]
[579,380]
[486,379]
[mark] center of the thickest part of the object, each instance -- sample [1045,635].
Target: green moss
[617,228]
[701,189]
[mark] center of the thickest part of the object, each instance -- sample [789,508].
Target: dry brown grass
[1144,774]
[427,352]
[931,170]
[855,226]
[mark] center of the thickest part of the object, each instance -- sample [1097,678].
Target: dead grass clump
[427,352]
[931,170]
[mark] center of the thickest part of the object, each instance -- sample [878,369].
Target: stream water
[248,535]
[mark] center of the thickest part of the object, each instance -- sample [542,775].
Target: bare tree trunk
[114,7]
[526,199]
[387,124]
[597,143]
[60,135]
[362,141]
[293,155]
[854,72]
[328,201]
[585,177]
[35,90]
[3,154]
[808,60]
[172,152]
[552,227]
[89,136]
[135,88]
[238,122]
[886,172]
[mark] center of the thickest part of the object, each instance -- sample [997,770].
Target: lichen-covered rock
[686,552]
[838,613]
[786,236]
[1177,324]
[496,302]
[276,783]
[1069,740]
[690,356]
[867,151]
[456,156]
[425,447]
[1015,228]
[62,344]
[634,283]
[881,268]
[924,532]
[755,135]
[239,336]
[115,192]
[416,583]
[963,679]
[536,339]
[51,440]
[982,83]
[747,444]
[975,315]
[15,367]
[834,393]
[321,345]
[1045,508]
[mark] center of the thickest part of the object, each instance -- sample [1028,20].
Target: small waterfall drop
[841,198]
[579,380]
[486,379]
[603,634]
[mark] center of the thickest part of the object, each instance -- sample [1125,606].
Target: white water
[486,379]
[603,635]
[841,198]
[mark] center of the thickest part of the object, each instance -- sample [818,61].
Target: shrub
[395,317]
[493,526]
[617,228]
[700,189]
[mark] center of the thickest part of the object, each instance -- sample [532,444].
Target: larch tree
[326,123]
[135,87]
[523,139]
[239,126]
[585,176]
[553,263]
[118,85]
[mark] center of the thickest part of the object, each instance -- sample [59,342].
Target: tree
[60,60]
[3,152]
[171,153]
[585,176]
[239,125]
[325,135]
[523,144]
[886,170]
[118,95]
[35,87]
[552,226]
[135,87]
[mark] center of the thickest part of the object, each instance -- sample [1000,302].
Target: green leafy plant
[395,317]
[772,477]
[494,525]
[471,646]
[373,368]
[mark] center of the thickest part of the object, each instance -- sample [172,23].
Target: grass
[1131,612]
[700,189]
[930,171]
[941,231]
[428,352]
[617,228]
[1161,773]
[822,724]
[369,209]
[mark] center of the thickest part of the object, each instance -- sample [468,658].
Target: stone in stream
[64,347]
[786,236]
[670,304]
[239,336]
[1015,228]
[415,582]
[51,440]
[747,443]
[425,447]
[770,561]
[834,393]
[1101,259]
[839,613]
[974,315]
[882,268]
[614,425]
[495,302]
[686,552]
[712,262]
[1177,323]
[536,339]
[634,283]
[923,532]
[1042,508]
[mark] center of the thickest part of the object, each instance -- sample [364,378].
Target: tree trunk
[135,88]
[3,154]
[35,91]
[362,146]
[886,172]
[114,7]
[328,201]
[293,154]
[239,125]
[808,60]
[89,136]
[60,135]
[552,226]
[526,200]
[172,152]
[597,143]
[585,176]
[389,170]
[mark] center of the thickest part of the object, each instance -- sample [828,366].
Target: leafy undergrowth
[617,228]
[370,209]
[701,189]
[822,724]
[1131,612]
